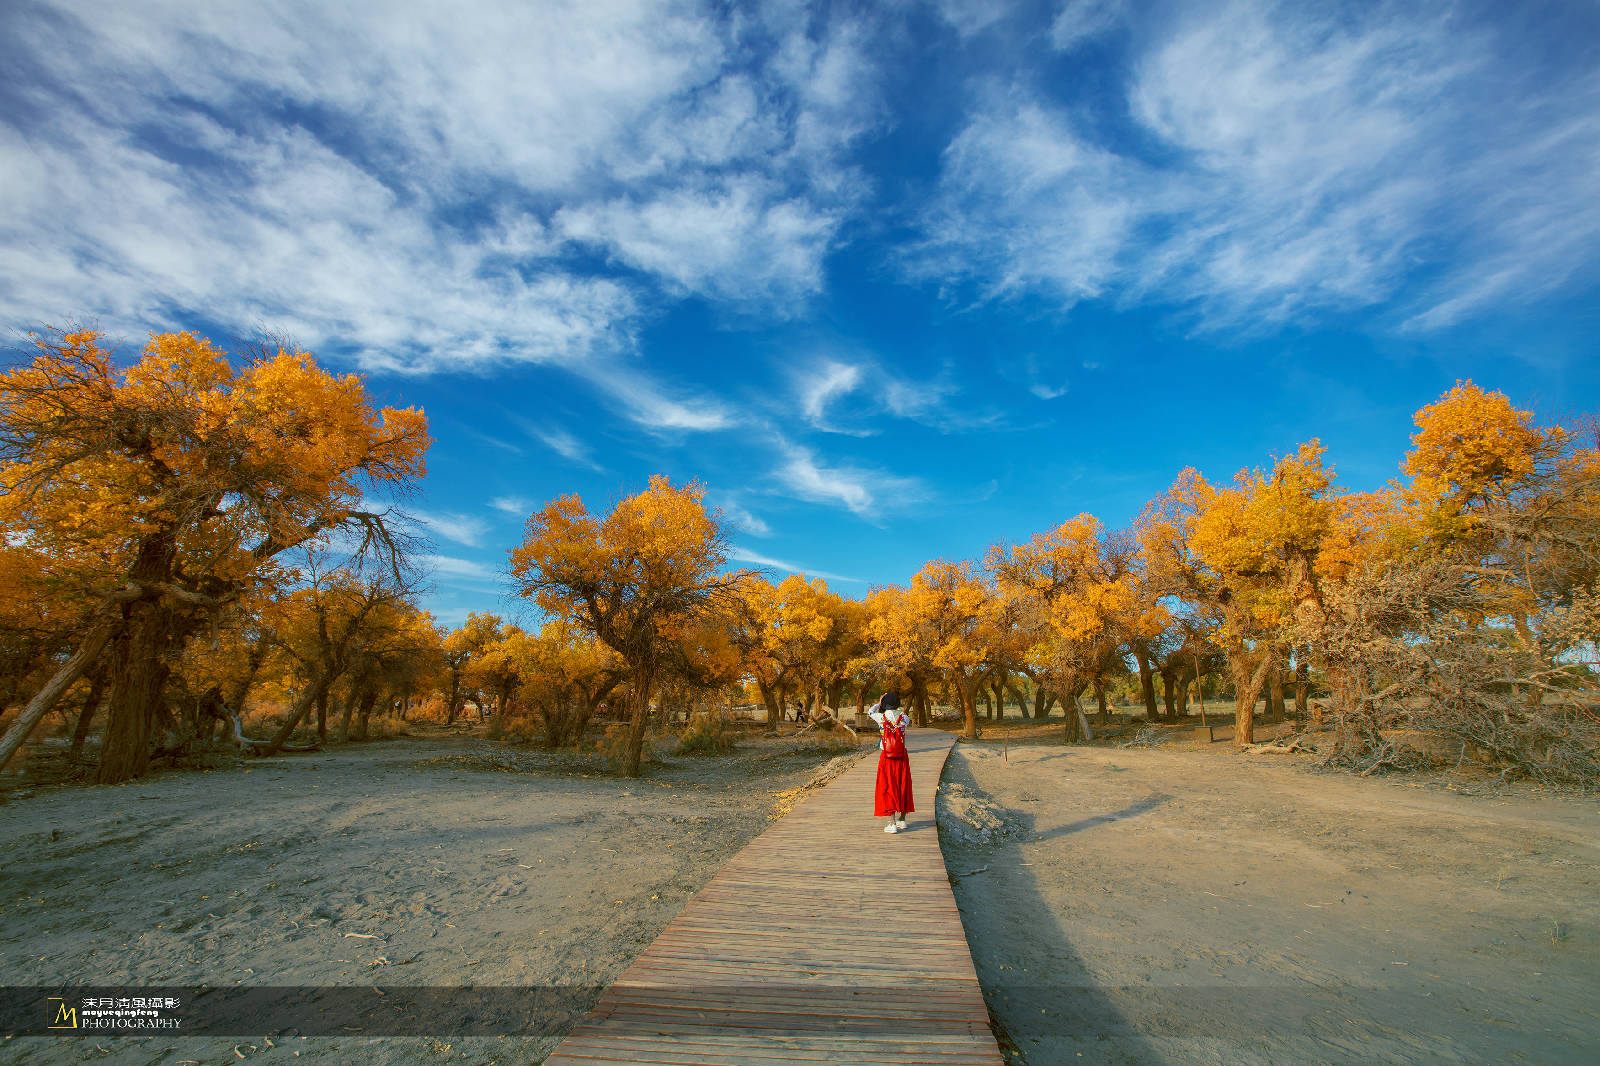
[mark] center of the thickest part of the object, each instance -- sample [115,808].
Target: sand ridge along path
[824,940]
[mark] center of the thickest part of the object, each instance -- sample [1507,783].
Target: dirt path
[403,863]
[1203,907]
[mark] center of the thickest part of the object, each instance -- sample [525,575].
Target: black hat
[890,700]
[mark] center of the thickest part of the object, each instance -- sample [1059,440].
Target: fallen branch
[827,716]
[263,747]
[1274,747]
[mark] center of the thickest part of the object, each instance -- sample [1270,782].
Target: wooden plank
[824,940]
[704,1050]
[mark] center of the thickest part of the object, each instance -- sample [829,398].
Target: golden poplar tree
[166,489]
[634,578]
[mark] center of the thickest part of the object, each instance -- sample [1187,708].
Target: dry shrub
[1147,736]
[433,710]
[550,715]
[1415,652]
[514,728]
[387,724]
[613,747]
[263,719]
[822,741]
[707,733]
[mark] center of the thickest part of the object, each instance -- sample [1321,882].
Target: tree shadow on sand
[1133,810]
[1045,1005]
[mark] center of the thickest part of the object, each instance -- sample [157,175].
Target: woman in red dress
[893,794]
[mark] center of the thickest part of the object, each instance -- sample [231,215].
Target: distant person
[893,794]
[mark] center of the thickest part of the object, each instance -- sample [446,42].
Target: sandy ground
[451,862]
[1198,906]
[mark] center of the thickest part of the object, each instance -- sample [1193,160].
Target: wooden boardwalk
[824,940]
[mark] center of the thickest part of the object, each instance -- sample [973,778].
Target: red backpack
[894,739]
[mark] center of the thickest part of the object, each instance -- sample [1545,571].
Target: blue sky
[894,281]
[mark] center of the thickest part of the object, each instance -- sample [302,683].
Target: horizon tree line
[181,532]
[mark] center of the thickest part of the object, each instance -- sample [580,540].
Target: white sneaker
[891,828]
[901,823]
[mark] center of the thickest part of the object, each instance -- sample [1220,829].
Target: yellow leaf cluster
[1472,448]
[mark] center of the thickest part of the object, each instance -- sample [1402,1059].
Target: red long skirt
[894,786]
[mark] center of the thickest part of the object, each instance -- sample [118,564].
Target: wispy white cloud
[867,493]
[827,381]
[462,529]
[1294,163]
[448,566]
[1084,20]
[853,397]
[516,506]
[922,400]
[744,555]
[821,384]
[743,519]
[492,441]
[422,189]
[557,440]
[451,617]
[648,403]
[734,239]
[1047,392]
[968,17]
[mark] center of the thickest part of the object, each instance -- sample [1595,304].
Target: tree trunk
[1041,708]
[1147,684]
[234,700]
[137,672]
[924,713]
[364,713]
[1275,691]
[322,717]
[137,679]
[302,706]
[32,714]
[861,699]
[1077,722]
[643,681]
[1519,622]
[91,703]
[1302,686]
[1100,698]
[835,693]
[1247,687]
[349,712]
[774,708]
[455,698]
[969,708]
[999,686]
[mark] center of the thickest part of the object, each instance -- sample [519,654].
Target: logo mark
[66,1017]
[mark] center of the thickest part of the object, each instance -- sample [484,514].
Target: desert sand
[1184,905]
[453,863]
[1123,905]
